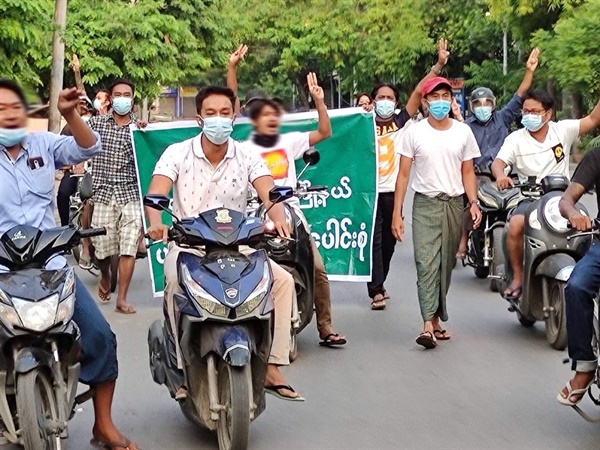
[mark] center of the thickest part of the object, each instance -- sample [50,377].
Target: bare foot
[333,335]
[275,378]
[114,436]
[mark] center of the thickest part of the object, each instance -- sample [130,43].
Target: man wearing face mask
[540,149]
[102,102]
[211,171]
[116,197]
[389,128]
[442,150]
[491,126]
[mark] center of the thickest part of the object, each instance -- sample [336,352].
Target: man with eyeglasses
[540,149]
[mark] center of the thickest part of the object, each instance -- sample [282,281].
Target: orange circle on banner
[277,163]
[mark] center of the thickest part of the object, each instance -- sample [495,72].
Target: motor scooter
[224,321]
[550,253]
[39,362]
[295,254]
[484,252]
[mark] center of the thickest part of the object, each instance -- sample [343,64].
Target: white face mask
[97,104]
[217,129]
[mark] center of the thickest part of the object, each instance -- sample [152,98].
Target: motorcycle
[224,321]
[484,252]
[295,254]
[550,253]
[39,368]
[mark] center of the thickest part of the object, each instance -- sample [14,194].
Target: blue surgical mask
[439,109]
[385,108]
[122,105]
[532,122]
[10,137]
[483,113]
[217,129]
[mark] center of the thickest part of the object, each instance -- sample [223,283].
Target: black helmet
[482,93]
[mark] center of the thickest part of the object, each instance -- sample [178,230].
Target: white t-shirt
[438,156]
[199,186]
[280,159]
[540,159]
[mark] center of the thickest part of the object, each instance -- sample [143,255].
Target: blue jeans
[581,289]
[98,342]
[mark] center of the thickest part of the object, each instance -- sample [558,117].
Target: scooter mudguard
[235,347]
[558,266]
[29,359]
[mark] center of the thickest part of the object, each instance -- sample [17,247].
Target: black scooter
[224,321]
[295,254]
[39,368]
[551,250]
[484,252]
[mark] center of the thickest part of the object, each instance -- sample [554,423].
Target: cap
[254,94]
[433,83]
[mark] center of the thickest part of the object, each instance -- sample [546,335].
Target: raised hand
[238,55]
[533,60]
[75,62]
[316,91]
[443,53]
[69,99]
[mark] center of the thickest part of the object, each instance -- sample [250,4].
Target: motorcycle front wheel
[233,428]
[556,322]
[38,411]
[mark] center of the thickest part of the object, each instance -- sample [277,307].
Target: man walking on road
[116,197]
[442,150]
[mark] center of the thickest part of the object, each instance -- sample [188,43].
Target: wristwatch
[435,70]
[473,202]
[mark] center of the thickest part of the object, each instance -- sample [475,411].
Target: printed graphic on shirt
[387,155]
[277,163]
[382,130]
[559,153]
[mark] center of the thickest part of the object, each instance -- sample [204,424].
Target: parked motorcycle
[484,252]
[39,368]
[224,321]
[295,254]
[550,253]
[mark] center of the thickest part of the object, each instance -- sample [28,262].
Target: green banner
[341,220]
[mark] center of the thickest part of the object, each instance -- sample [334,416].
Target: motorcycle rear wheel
[36,404]
[556,322]
[233,428]
[293,344]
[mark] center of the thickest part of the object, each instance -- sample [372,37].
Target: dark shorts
[521,208]
[98,342]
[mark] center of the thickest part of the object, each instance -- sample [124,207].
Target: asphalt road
[492,386]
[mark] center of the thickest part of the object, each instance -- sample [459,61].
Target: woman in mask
[390,126]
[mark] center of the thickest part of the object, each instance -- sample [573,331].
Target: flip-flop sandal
[274,390]
[328,342]
[103,295]
[571,392]
[378,305]
[513,294]
[106,445]
[127,309]
[85,263]
[441,335]
[427,340]
[386,296]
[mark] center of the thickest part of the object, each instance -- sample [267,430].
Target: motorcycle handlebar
[91,232]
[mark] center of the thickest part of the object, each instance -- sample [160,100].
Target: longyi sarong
[437,228]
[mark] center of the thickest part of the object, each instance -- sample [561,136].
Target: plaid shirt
[113,170]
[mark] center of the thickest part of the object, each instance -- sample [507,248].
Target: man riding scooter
[542,148]
[583,284]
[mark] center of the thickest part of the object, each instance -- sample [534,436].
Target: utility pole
[58,64]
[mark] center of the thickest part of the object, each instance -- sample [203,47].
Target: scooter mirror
[159,202]
[311,157]
[85,189]
[280,194]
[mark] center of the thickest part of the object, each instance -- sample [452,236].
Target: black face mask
[264,140]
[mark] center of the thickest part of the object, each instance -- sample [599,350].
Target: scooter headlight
[37,316]
[65,309]
[534,221]
[69,286]
[258,295]
[487,200]
[553,217]
[513,202]
[203,298]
